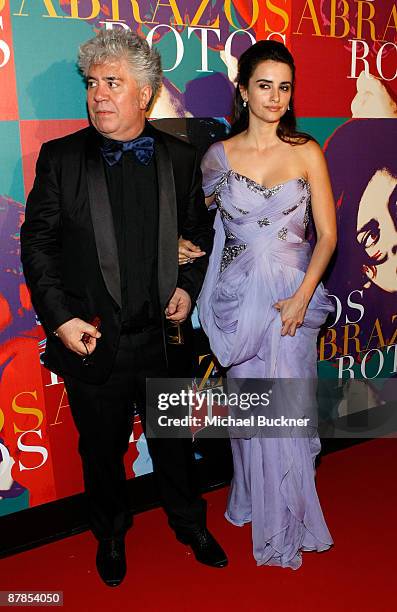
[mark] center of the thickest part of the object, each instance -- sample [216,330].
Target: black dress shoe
[110,561]
[204,546]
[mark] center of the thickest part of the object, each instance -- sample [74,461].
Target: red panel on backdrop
[23,410]
[34,133]
[319,33]
[63,437]
[272,17]
[8,103]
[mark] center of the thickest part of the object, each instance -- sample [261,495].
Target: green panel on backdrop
[14,504]
[11,177]
[49,86]
[190,64]
[320,128]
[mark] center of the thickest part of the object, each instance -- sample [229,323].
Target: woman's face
[377,229]
[269,91]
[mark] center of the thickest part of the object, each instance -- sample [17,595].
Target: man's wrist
[55,332]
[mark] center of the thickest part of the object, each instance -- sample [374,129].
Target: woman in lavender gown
[262,302]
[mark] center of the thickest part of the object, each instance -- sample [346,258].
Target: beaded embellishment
[303,182]
[289,210]
[230,253]
[224,213]
[282,234]
[307,213]
[256,187]
[224,178]
[228,233]
[263,222]
[241,210]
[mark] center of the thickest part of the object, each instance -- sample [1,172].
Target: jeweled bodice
[251,212]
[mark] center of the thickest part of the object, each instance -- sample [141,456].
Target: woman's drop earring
[245,103]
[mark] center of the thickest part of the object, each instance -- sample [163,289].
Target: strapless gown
[260,256]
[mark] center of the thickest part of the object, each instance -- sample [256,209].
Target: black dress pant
[103,415]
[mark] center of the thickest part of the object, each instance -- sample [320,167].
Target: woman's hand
[188,252]
[292,313]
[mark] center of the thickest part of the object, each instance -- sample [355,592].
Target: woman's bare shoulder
[311,148]
[310,153]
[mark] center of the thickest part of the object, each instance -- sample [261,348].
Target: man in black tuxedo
[100,240]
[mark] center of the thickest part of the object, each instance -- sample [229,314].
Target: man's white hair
[109,45]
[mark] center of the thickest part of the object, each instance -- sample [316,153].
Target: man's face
[116,104]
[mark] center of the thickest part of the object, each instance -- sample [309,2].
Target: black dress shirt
[133,192]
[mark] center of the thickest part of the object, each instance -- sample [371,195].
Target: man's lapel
[168,227]
[102,219]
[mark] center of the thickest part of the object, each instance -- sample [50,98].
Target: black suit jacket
[68,243]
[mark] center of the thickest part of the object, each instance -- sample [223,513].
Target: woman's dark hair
[262,51]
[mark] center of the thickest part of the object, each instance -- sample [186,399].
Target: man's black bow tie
[143,148]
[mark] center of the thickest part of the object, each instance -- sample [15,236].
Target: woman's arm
[323,208]
[187,251]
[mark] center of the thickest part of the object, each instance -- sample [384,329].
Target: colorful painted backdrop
[346,55]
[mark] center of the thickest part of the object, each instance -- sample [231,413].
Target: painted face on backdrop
[377,229]
[269,91]
[116,104]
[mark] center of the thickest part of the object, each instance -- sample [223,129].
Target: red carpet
[357,488]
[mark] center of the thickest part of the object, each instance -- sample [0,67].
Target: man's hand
[188,252]
[71,333]
[179,306]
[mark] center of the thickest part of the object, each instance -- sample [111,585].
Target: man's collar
[148,130]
